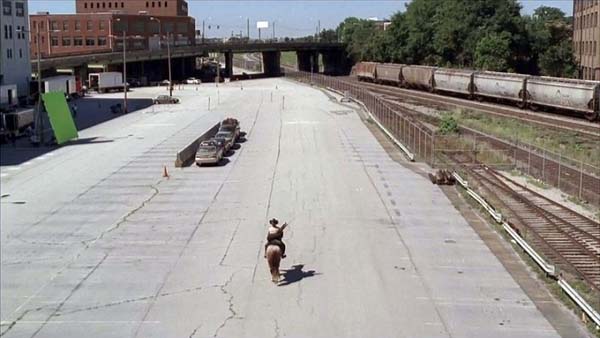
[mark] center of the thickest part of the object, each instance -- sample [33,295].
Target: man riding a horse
[275,236]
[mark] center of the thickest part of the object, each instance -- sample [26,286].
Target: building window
[54,41]
[182,27]
[104,5]
[66,41]
[101,41]
[166,3]
[101,25]
[159,4]
[6,7]
[147,4]
[89,25]
[78,41]
[77,25]
[122,5]
[54,25]
[9,53]
[85,5]
[21,53]
[110,5]
[20,9]
[65,25]
[138,27]
[153,4]
[92,5]
[90,42]
[10,30]
[6,31]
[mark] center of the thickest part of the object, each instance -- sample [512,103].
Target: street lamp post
[168,50]
[39,121]
[124,68]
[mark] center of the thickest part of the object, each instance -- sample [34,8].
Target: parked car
[209,152]
[192,80]
[165,83]
[134,83]
[231,125]
[227,137]
[165,99]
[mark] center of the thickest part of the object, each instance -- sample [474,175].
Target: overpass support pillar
[308,61]
[228,64]
[335,62]
[271,63]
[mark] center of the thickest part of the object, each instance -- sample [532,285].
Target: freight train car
[418,77]
[366,71]
[570,95]
[454,81]
[500,86]
[389,73]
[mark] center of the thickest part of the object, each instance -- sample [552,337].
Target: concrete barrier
[187,155]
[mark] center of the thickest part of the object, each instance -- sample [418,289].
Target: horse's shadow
[296,274]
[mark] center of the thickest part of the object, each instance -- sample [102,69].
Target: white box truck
[104,82]
[62,83]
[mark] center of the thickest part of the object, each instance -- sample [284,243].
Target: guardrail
[548,268]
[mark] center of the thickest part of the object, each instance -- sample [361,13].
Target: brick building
[134,7]
[98,27]
[586,37]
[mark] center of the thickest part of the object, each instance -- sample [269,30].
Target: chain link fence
[576,178]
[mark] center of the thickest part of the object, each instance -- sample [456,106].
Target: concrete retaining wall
[187,155]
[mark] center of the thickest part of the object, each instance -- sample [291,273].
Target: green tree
[328,35]
[550,33]
[558,60]
[357,34]
[493,52]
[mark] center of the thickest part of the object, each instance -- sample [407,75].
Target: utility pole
[248,28]
[39,126]
[124,71]
[273,30]
[319,30]
[169,60]
[202,31]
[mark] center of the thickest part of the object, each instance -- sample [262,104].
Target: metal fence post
[559,163]
[544,164]
[433,149]
[581,179]
[529,159]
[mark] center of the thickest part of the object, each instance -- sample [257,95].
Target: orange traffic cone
[165,172]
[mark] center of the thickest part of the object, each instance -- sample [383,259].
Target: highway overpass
[334,58]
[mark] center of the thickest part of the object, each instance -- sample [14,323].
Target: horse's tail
[274,258]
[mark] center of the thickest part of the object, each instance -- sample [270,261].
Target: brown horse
[274,258]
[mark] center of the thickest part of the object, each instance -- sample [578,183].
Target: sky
[292,18]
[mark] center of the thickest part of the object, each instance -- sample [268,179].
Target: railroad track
[566,238]
[591,129]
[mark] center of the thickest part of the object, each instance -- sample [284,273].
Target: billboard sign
[262,24]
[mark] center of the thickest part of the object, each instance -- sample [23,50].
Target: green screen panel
[60,116]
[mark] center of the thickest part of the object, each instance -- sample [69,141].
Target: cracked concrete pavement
[106,247]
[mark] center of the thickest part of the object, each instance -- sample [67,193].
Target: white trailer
[107,81]
[62,83]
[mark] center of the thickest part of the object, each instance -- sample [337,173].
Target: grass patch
[570,144]
[538,183]
[289,59]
